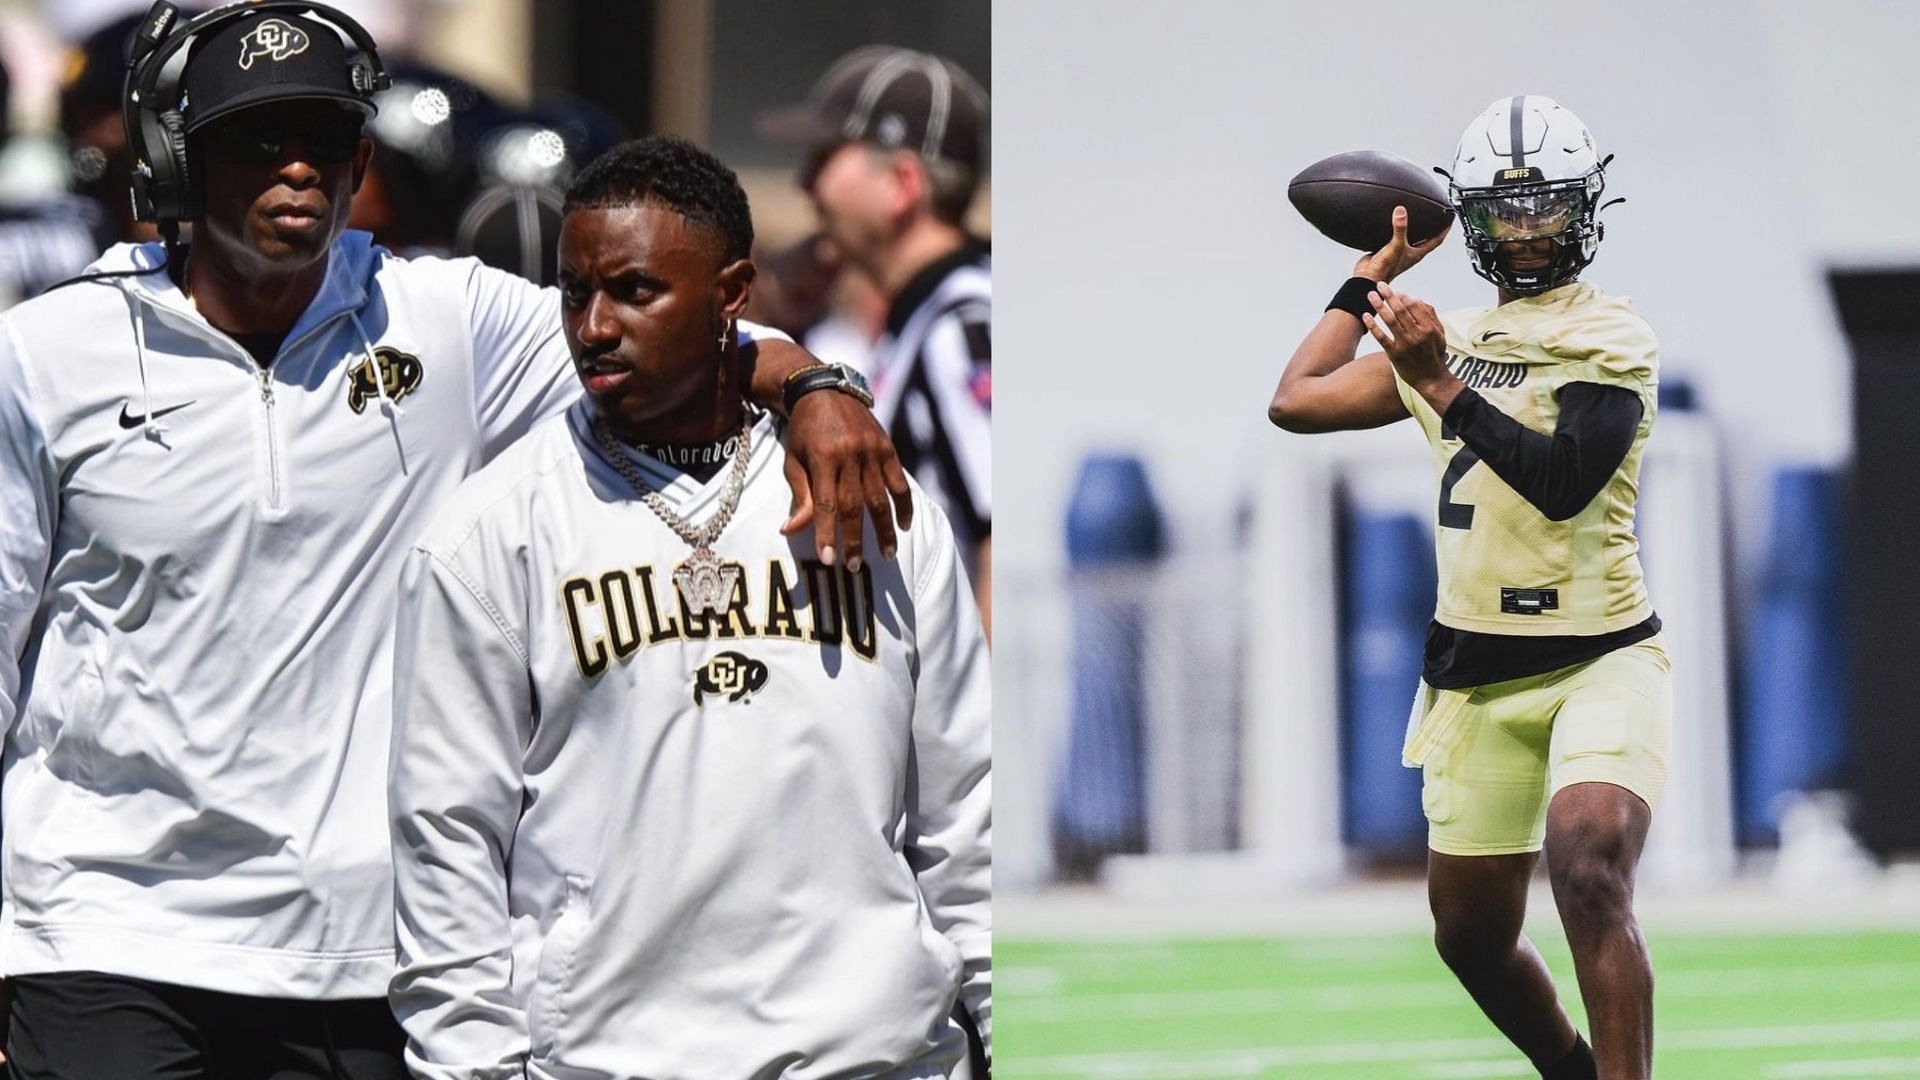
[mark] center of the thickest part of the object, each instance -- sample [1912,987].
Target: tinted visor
[1523,217]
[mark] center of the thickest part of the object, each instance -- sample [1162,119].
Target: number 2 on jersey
[1455,515]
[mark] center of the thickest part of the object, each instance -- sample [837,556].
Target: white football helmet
[1526,169]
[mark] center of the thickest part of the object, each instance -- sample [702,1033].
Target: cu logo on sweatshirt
[738,677]
[397,373]
[274,38]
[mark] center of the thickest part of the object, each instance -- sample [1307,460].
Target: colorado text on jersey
[821,604]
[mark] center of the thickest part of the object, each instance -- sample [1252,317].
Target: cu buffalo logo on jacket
[398,372]
[734,674]
[273,38]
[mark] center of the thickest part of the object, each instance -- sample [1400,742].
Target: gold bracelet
[807,370]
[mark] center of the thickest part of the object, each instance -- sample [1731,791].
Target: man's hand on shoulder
[840,462]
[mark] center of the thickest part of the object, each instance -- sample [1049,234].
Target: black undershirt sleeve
[1562,472]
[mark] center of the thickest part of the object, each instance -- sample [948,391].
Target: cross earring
[726,333]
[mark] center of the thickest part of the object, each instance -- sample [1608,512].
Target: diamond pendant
[706,584]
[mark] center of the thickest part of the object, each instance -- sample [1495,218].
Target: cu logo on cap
[274,38]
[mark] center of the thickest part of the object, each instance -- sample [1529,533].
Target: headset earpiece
[185,188]
[153,169]
[369,77]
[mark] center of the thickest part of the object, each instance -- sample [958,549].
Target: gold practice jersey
[1505,568]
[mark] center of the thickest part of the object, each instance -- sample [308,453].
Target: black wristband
[825,377]
[1352,297]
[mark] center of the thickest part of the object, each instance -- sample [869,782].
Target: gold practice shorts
[1494,756]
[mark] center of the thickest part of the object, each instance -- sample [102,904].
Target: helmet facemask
[1528,207]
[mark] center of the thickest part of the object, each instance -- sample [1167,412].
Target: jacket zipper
[276,493]
[265,376]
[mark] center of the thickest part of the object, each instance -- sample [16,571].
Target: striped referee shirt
[43,243]
[933,388]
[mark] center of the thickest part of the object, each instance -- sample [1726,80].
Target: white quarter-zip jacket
[198,562]
[631,841]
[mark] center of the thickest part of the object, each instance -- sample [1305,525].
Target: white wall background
[1848,97]
[1154,280]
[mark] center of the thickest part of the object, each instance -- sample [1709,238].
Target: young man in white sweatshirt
[211,464]
[670,797]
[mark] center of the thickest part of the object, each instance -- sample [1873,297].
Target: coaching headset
[166,188]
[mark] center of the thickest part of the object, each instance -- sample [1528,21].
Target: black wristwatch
[826,377]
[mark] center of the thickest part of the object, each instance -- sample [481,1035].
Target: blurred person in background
[1544,713]
[854,325]
[425,168]
[96,131]
[795,284]
[896,141]
[806,290]
[46,235]
[525,164]
[514,227]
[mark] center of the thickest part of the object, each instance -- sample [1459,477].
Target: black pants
[86,1026]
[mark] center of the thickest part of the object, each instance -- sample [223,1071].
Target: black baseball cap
[891,97]
[273,57]
[96,72]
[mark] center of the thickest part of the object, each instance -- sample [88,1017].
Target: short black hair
[675,172]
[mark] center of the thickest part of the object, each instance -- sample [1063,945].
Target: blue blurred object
[1113,516]
[1676,395]
[1793,730]
[1113,524]
[1387,602]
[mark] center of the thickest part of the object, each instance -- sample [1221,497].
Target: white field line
[1749,905]
[1028,980]
[1807,1070]
[1125,956]
[1060,1005]
[1194,1003]
[1082,966]
[1512,1065]
[1108,958]
[1255,1061]
[1775,1035]
[1249,1061]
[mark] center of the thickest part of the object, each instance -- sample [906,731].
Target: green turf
[1813,1006]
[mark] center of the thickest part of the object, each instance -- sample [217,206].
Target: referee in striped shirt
[896,143]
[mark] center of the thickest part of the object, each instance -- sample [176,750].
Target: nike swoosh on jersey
[129,421]
[1491,334]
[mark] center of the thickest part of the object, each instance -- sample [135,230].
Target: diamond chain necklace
[706,584]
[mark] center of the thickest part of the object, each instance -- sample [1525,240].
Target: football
[1350,197]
